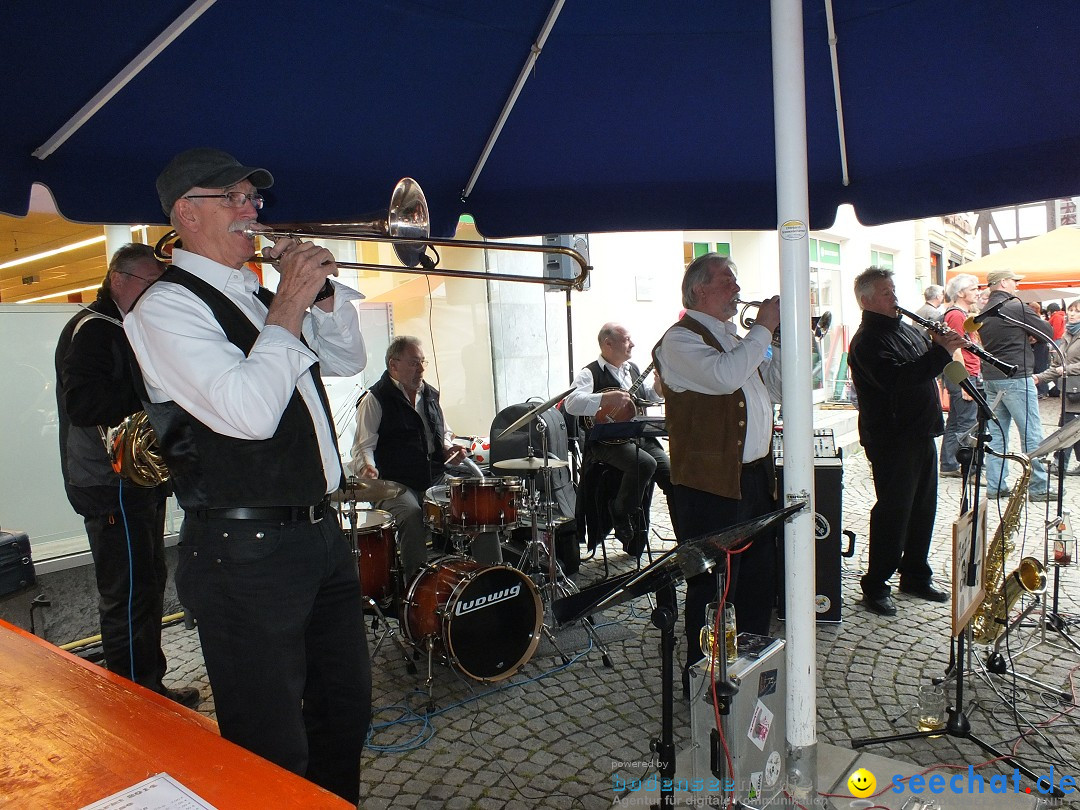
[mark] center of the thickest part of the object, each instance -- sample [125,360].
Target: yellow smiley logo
[861,783]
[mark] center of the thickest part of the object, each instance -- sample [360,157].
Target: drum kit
[484,621]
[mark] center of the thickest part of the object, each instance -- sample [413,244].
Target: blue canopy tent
[636,115]
[539,117]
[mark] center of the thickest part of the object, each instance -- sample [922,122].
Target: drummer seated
[402,435]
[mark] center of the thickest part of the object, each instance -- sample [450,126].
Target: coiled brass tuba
[134,452]
[1001,592]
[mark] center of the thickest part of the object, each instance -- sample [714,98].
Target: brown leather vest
[706,432]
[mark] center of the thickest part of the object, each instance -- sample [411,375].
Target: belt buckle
[319,507]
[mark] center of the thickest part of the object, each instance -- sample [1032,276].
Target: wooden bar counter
[72,733]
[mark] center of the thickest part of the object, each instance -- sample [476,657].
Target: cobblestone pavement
[553,734]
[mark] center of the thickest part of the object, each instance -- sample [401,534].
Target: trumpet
[1008,369]
[819,324]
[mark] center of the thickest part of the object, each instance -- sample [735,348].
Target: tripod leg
[997,664]
[551,637]
[430,675]
[590,628]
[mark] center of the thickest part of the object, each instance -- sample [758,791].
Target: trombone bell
[406,218]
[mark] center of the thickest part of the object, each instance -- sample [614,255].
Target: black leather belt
[283,514]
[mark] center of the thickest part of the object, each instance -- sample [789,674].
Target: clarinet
[1008,369]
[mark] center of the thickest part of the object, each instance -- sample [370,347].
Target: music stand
[696,556]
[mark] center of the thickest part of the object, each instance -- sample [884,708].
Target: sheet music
[159,792]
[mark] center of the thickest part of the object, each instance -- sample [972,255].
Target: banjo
[620,413]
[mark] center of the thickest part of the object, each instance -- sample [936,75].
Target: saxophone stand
[958,726]
[1061,442]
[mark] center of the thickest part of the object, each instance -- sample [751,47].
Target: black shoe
[995,494]
[636,545]
[927,592]
[186,696]
[624,532]
[881,605]
[950,473]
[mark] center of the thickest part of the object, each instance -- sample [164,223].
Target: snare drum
[484,618]
[484,504]
[376,554]
[437,507]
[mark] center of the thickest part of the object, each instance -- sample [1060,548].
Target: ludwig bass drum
[485,618]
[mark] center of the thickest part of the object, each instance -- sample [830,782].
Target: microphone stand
[958,725]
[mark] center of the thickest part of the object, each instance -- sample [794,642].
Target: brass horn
[819,324]
[406,227]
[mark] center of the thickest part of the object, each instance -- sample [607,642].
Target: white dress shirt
[687,363]
[583,401]
[186,358]
[368,419]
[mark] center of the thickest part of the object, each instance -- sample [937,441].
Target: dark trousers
[753,572]
[1069,416]
[129,566]
[963,413]
[640,462]
[281,623]
[902,520]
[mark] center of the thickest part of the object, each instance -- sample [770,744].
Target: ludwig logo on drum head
[479,602]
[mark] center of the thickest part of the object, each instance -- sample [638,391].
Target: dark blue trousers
[281,622]
[753,572]
[129,567]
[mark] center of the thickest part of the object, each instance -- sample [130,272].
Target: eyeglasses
[233,199]
[143,279]
[412,361]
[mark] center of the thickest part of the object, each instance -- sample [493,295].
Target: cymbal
[543,406]
[529,463]
[370,490]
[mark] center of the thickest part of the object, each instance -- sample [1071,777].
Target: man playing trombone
[234,392]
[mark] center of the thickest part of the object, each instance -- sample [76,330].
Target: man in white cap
[231,383]
[1020,400]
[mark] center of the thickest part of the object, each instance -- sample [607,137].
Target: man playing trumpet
[719,390]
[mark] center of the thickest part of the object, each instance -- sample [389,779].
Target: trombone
[406,226]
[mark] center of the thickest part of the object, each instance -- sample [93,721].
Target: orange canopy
[1050,261]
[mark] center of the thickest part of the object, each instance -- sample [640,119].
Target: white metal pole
[793,214]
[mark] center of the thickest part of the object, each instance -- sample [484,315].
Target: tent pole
[793,214]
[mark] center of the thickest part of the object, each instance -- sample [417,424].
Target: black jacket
[1009,342]
[894,367]
[94,387]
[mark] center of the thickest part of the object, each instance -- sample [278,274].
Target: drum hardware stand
[381,633]
[555,582]
[958,725]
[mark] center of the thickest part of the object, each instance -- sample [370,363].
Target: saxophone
[992,616]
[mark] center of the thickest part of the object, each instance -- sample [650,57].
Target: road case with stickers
[752,725]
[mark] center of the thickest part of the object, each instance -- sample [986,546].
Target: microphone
[972,324]
[957,375]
